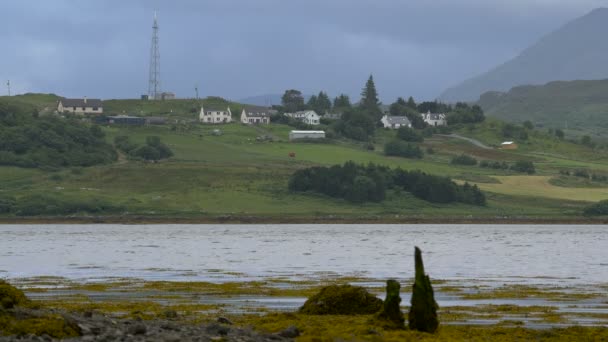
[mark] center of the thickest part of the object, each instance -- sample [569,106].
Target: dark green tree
[292,100]
[559,133]
[423,309]
[369,99]
[342,102]
[312,103]
[411,103]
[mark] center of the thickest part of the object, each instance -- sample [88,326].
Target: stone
[423,309]
[391,311]
[137,329]
[342,300]
[290,332]
[224,320]
[217,329]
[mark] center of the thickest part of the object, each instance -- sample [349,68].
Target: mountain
[579,107]
[577,51]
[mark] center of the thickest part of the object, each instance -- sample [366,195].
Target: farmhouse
[80,106]
[253,115]
[215,115]
[394,122]
[295,135]
[309,117]
[434,119]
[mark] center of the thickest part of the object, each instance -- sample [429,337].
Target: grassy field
[234,174]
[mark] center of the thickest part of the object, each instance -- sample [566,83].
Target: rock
[342,300]
[391,311]
[137,329]
[217,329]
[290,332]
[224,320]
[423,309]
[171,314]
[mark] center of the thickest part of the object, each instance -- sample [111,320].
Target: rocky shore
[94,326]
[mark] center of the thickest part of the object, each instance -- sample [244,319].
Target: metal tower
[154,90]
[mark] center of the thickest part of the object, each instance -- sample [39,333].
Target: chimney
[85,100]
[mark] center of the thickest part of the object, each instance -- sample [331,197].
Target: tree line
[369,183]
[27,140]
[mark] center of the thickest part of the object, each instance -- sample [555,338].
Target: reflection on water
[555,254]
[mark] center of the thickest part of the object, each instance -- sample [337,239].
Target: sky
[242,48]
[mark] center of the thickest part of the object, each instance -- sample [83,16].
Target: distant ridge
[576,51]
[579,107]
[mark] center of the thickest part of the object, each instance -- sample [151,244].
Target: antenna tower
[154,91]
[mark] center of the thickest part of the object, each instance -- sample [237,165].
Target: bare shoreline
[134,220]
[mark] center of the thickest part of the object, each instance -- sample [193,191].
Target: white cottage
[254,115]
[215,115]
[80,106]
[434,119]
[309,117]
[395,122]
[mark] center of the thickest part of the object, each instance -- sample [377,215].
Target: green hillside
[577,107]
[237,175]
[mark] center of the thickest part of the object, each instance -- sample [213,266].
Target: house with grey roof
[80,106]
[309,117]
[395,122]
[215,115]
[253,115]
[433,119]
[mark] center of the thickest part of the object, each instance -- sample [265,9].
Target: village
[250,115]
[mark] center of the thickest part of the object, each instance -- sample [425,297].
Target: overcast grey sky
[241,48]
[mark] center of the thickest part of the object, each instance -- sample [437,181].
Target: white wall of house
[434,119]
[253,119]
[387,124]
[79,110]
[309,117]
[215,116]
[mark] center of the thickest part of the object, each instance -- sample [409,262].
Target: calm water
[517,253]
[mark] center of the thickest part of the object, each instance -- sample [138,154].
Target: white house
[434,119]
[309,117]
[394,122]
[253,115]
[295,135]
[215,115]
[80,106]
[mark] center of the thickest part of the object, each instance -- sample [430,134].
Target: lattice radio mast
[154,91]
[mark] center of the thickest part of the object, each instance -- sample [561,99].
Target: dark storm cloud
[238,48]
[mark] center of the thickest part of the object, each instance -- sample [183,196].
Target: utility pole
[8,86]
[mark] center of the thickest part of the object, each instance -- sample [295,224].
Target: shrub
[342,300]
[11,296]
[409,134]
[402,149]
[597,209]
[581,173]
[524,166]
[463,159]
[358,183]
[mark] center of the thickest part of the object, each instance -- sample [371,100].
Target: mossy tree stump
[391,311]
[423,310]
